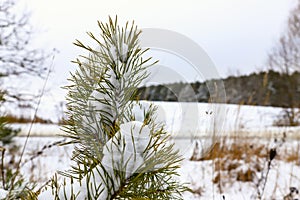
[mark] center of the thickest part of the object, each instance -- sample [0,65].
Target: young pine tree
[119,153]
[13,185]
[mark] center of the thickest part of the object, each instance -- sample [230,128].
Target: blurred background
[239,36]
[255,47]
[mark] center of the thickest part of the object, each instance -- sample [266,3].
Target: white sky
[236,34]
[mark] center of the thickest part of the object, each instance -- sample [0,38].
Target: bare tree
[17,55]
[285,58]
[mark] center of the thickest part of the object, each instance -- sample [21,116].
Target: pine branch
[117,154]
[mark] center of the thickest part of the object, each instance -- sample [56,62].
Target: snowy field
[201,119]
[237,168]
[44,157]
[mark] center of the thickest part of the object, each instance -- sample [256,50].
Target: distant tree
[18,58]
[17,55]
[6,133]
[285,58]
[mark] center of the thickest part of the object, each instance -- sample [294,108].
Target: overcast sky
[236,34]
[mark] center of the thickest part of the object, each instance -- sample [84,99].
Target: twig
[30,128]
[40,152]
[2,166]
[272,155]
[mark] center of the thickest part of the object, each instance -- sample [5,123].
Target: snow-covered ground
[44,157]
[201,119]
[246,152]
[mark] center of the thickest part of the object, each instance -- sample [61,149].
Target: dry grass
[243,159]
[22,120]
[236,151]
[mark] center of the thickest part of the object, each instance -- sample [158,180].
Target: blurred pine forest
[265,88]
